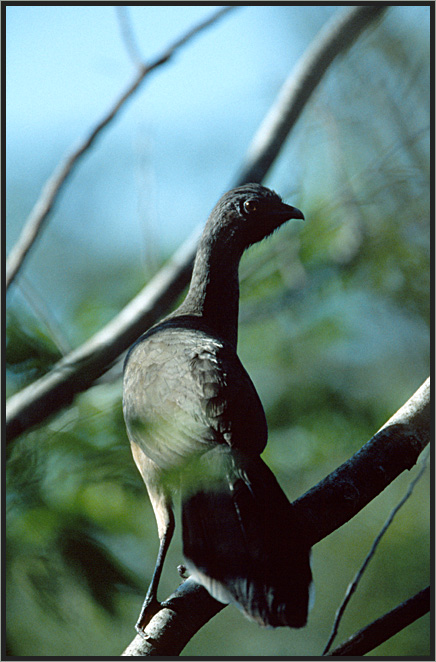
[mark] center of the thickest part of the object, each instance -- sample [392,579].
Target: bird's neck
[214,290]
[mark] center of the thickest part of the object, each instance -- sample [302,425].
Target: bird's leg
[151,605]
[160,497]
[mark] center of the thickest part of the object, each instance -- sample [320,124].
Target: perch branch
[180,617]
[394,448]
[55,183]
[190,607]
[77,371]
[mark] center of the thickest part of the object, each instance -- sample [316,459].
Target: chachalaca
[196,423]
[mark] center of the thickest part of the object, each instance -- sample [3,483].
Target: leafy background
[334,324]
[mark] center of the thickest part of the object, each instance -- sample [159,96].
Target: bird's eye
[250,206]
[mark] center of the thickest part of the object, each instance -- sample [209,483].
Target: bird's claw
[149,609]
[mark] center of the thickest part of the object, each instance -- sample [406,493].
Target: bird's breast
[184,392]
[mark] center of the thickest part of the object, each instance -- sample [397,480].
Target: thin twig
[45,315]
[385,627]
[353,585]
[127,34]
[55,183]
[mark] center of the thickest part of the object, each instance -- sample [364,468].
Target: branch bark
[78,370]
[55,183]
[386,626]
[348,489]
[322,510]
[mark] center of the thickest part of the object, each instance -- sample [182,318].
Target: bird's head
[247,214]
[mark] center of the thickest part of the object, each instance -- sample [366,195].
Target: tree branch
[348,489]
[181,616]
[335,37]
[352,587]
[55,183]
[127,35]
[322,510]
[386,626]
[77,371]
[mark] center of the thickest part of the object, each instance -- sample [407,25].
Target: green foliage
[30,352]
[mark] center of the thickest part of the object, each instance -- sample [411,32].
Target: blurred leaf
[94,564]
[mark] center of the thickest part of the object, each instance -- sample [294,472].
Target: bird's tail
[240,541]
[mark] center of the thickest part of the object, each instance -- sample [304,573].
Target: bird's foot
[149,609]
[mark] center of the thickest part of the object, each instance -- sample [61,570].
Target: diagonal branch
[322,510]
[55,183]
[77,371]
[386,626]
[348,489]
[336,36]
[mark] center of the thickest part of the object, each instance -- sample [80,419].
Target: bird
[197,428]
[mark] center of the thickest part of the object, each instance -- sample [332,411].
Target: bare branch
[181,616]
[353,585]
[348,489]
[55,183]
[77,371]
[190,607]
[335,37]
[386,626]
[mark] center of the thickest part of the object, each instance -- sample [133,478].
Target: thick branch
[348,489]
[80,368]
[77,371]
[322,510]
[55,183]
[385,627]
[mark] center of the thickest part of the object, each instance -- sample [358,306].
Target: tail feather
[240,541]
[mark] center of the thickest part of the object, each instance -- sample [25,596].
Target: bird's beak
[286,212]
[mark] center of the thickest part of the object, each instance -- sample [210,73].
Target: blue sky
[67,64]
[155,173]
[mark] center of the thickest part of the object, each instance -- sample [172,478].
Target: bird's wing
[185,391]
